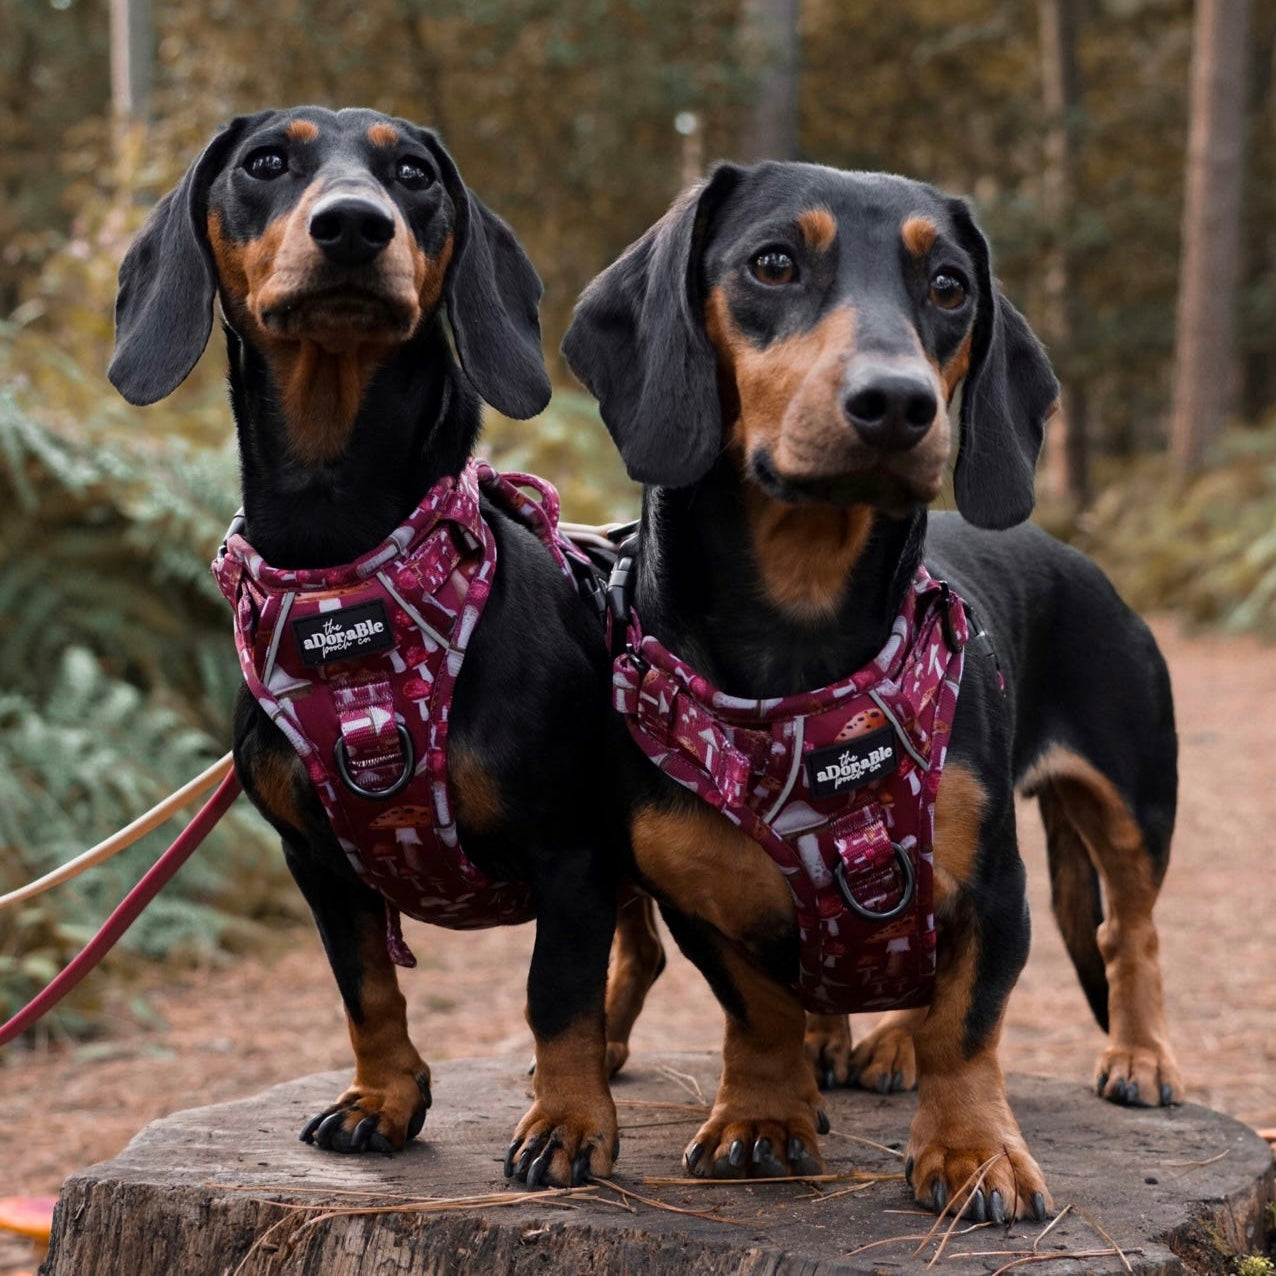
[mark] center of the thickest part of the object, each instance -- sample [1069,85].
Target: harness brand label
[851,763]
[344,634]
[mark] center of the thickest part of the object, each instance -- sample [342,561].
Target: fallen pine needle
[854,1176]
[672,1209]
[686,1081]
[697,1109]
[1196,1165]
[1054,1222]
[855,1138]
[1103,1231]
[912,1236]
[1061,1255]
[844,1191]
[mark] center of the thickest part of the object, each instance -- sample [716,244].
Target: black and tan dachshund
[334,242]
[786,360]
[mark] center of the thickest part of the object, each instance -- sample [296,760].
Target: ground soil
[225,1033]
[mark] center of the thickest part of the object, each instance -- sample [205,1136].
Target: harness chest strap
[837,785]
[357,665]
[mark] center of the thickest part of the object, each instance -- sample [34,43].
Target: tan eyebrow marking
[383,135]
[919,234]
[818,227]
[302,130]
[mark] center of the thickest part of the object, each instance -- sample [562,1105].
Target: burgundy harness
[837,785]
[357,665]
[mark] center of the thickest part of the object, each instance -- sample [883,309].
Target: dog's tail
[1074,891]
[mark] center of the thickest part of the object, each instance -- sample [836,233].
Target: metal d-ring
[905,899]
[343,767]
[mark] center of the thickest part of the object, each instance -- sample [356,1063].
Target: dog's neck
[418,420]
[704,592]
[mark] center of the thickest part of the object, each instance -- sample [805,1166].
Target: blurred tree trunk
[132,58]
[1067,451]
[770,35]
[1258,342]
[1203,352]
[132,63]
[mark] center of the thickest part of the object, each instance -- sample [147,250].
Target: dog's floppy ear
[638,343]
[1009,393]
[493,295]
[164,307]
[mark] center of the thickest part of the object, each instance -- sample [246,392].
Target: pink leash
[126,913]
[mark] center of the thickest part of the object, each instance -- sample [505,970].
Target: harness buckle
[909,875]
[397,785]
[953,643]
[620,582]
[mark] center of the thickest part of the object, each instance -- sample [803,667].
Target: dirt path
[224,1034]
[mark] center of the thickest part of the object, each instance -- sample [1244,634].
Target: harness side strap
[127,911]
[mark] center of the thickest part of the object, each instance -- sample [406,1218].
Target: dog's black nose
[351,229]
[891,409]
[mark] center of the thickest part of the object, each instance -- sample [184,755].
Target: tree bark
[770,34]
[1203,354]
[1068,463]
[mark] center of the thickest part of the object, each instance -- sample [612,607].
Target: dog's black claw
[379,1143]
[415,1124]
[735,1155]
[938,1194]
[801,1161]
[830,1079]
[308,1134]
[996,1208]
[897,1081]
[1132,1092]
[580,1168]
[692,1155]
[1101,1084]
[362,1133]
[423,1087]
[328,1128]
[852,1076]
[822,1122]
[766,1162]
[977,1208]
[1167,1094]
[884,1083]
[529,1154]
[1039,1211]
[531,1067]
[510,1153]
[908,1171]
[540,1166]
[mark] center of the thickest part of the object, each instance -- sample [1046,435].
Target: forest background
[1065,121]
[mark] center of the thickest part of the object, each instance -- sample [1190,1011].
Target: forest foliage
[118,668]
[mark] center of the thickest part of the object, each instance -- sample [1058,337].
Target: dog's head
[819,325]
[330,238]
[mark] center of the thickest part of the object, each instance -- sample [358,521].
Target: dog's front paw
[1138,1076]
[731,1145]
[976,1163]
[885,1060]
[373,1119]
[564,1146]
[827,1045]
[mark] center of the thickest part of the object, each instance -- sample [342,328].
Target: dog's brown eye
[947,291]
[773,266]
[266,164]
[412,174]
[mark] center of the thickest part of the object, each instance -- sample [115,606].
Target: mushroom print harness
[837,785]
[357,665]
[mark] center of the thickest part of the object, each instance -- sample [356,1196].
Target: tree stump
[229,1190]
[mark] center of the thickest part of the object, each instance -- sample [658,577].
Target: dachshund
[788,360]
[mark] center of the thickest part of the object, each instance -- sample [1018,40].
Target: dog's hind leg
[1094,839]
[637,960]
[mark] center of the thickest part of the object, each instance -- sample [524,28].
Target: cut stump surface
[214,1191]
